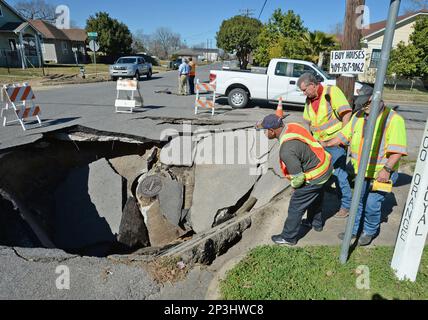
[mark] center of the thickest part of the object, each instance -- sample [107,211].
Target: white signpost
[94,46]
[414,224]
[347,62]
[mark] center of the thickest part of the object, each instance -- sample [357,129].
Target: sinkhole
[97,198]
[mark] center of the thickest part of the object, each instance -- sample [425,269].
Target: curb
[46,84]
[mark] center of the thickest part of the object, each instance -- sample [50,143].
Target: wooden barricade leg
[197,97]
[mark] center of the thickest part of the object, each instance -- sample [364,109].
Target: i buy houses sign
[347,62]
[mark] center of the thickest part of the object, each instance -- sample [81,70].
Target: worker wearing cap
[388,146]
[308,166]
[326,112]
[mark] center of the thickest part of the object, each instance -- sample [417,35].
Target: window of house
[281,69]
[12,44]
[64,47]
[1,11]
[375,59]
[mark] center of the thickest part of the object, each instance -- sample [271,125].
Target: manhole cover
[150,186]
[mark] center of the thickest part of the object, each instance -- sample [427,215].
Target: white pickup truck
[278,80]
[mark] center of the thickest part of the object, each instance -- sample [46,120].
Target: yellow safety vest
[326,122]
[295,131]
[382,144]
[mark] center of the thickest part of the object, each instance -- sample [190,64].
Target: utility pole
[247,12]
[370,125]
[351,41]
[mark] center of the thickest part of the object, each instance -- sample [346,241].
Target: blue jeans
[370,209]
[338,158]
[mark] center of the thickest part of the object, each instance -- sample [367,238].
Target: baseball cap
[271,121]
[364,96]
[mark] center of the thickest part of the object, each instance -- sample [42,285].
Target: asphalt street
[33,274]
[92,106]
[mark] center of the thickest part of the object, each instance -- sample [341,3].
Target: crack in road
[43,259]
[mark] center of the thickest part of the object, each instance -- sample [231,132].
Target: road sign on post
[92,35]
[94,46]
[414,224]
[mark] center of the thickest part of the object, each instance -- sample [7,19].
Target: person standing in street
[192,76]
[388,146]
[326,112]
[308,167]
[183,74]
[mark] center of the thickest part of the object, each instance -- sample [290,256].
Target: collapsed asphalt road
[50,170]
[61,178]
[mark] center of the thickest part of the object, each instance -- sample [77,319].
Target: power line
[262,10]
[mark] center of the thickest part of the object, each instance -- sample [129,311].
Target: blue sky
[197,21]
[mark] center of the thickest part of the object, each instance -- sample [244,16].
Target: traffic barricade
[208,100]
[19,104]
[128,96]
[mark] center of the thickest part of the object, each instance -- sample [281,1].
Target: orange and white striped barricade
[19,104]
[133,97]
[207,101]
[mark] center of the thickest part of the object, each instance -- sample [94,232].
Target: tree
[36,9]
[165,42]
[337,29]
[239,35]
[317,43]
[281,36]
[140,41]
[114,37]
[403,62]
[419,39]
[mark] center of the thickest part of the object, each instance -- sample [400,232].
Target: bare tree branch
[36,9]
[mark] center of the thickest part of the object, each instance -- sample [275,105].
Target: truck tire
[238,98]
[137,75]
[149,74]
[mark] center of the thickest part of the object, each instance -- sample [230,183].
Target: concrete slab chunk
[171,200]
[217,187]
[88,206]
[133,232]
[129,167]
[268,187]
[161,231]
[180,151]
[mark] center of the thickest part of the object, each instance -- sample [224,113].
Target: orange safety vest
[296,131]
[192,69]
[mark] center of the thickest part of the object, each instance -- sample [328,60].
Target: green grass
[34,74]
[415,95]
[314,273]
